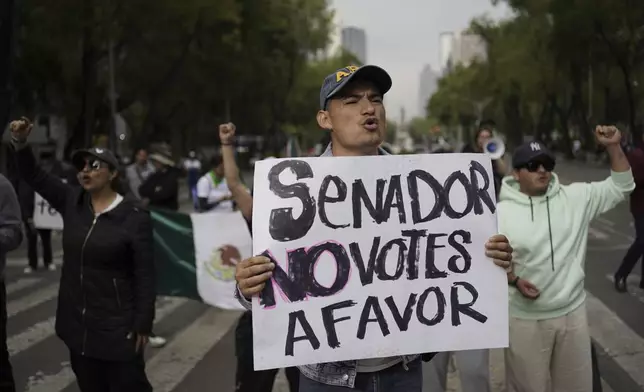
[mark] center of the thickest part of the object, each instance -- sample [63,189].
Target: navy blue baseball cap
[531,151]
[337,80]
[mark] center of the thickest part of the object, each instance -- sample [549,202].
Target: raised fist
[20,129]
[608,135]
[227,133]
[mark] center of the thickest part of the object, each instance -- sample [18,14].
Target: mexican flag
[196,255]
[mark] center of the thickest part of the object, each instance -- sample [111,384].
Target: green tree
[181,67]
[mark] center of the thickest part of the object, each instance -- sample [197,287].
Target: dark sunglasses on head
[92,165]
[533,166]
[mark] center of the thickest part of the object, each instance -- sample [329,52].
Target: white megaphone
[494,148]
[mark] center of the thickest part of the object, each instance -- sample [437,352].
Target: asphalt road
[200,351]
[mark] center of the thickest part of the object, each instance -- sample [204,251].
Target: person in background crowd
[161,188]
[484,133]
[636,251]
[352,109]
[138,171]
[10,239]
[212,190]
[105,316]
[247,379]
[26,198]
[550,346]
[192,166]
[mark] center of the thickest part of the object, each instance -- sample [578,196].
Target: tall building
[427,86]
[354,40]
[467,47]
[446,43]
[460,49]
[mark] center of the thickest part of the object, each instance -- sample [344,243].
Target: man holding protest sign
[352,109]
[550,346]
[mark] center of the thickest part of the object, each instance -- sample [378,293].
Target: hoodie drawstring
[552,250]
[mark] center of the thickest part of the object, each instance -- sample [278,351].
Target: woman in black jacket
[107,287]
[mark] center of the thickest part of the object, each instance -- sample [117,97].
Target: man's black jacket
[162,188]
[107,288]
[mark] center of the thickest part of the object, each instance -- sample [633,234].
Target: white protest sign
[45,216]
[376,257]
[221,241]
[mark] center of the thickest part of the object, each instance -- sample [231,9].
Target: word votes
[283,226]
[300,281]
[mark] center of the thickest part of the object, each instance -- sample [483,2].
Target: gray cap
[337,80]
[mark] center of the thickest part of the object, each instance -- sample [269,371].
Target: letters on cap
[342,74]
[98,150]
[535,146]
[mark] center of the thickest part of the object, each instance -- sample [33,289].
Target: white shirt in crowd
[213,189]
[192,164]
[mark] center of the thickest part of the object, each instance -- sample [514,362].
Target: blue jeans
[393,379]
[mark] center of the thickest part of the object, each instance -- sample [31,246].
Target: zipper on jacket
[82,268]
[118,296]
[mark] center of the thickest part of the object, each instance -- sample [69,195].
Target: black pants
[636,251]
[6,374]
[32,246]
[597,378]
[97,375]
[246,378]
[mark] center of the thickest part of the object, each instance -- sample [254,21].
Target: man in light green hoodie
[547,224]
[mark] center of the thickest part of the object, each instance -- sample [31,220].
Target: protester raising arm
[49,186]
[239,192]
[598,197]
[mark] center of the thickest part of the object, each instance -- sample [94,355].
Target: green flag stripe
[174,254]
[158,240]
[160,219]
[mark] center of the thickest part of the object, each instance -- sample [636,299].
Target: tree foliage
[180,66]
[555,68]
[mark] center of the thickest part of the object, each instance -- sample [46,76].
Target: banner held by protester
[375,257]
[45,216]
[221,241]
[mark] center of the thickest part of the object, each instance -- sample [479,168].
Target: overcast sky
[403,36]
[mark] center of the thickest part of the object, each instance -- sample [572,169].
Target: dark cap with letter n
[337,80]
[530,151]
